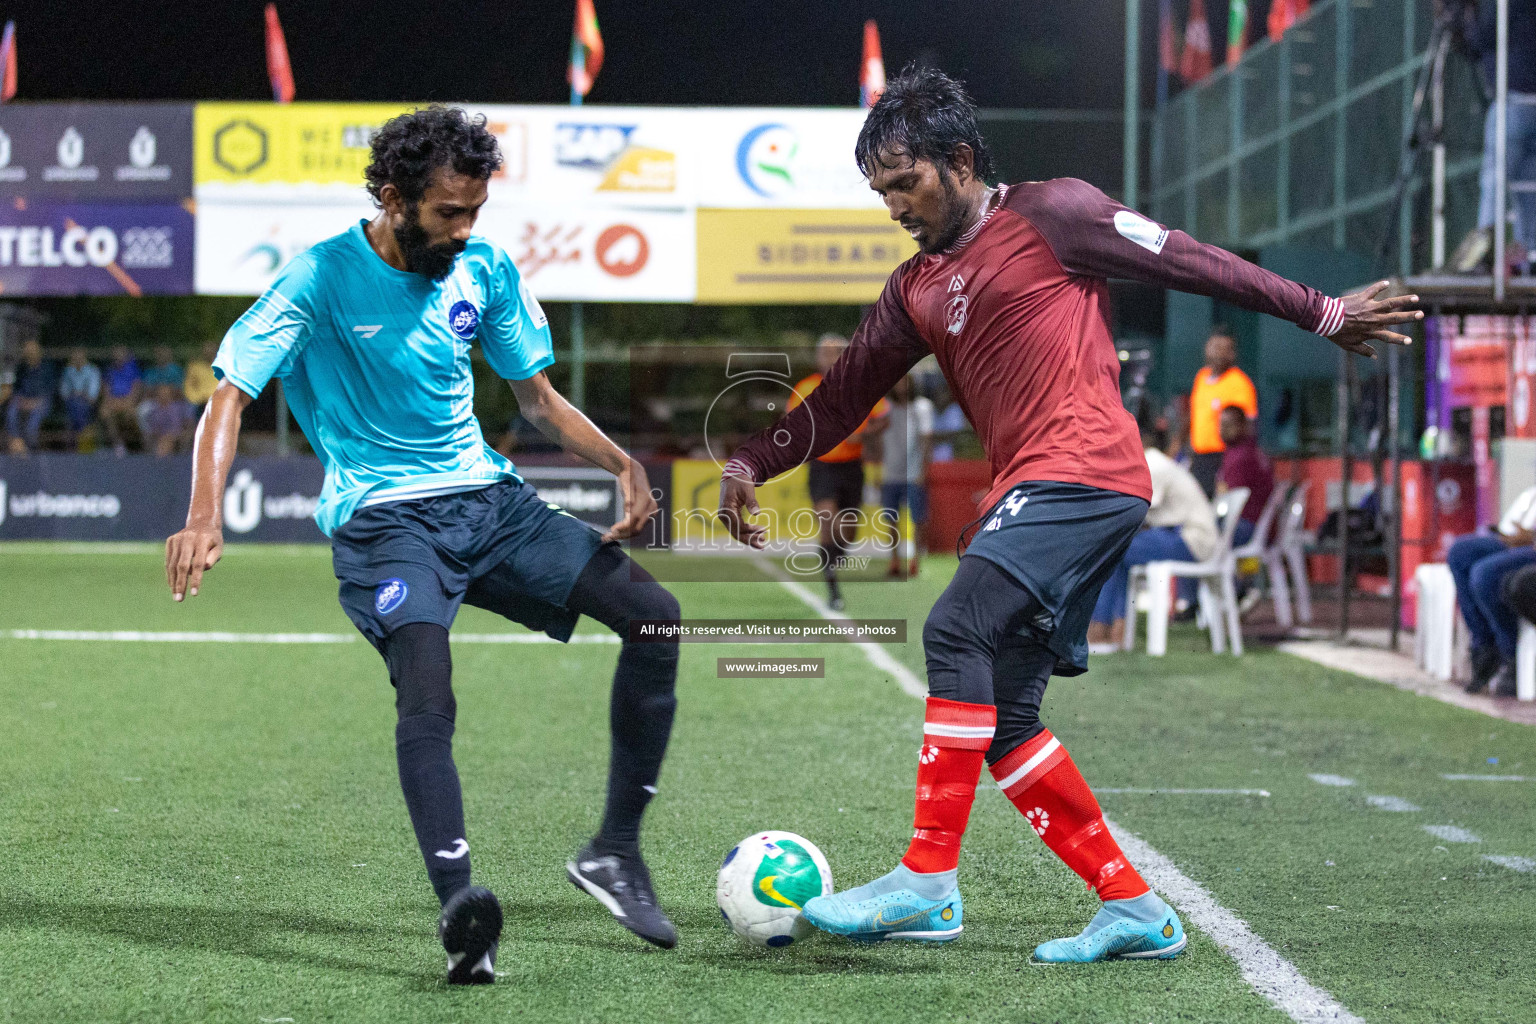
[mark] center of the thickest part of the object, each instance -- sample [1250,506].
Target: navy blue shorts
[500,548]
[1062,542]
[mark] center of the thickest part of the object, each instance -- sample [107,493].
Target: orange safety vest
[1212,394]
[846,450]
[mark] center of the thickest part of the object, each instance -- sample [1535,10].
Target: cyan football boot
[1144,928]
[887,909]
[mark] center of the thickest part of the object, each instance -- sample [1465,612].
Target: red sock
[1039,777]
[956,736]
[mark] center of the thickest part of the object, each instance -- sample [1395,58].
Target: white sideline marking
[1323,779]
[1452,834]
[1181,792]
[1267,972]
[1486,778]
[1391,803]
[1524,865]
[138,636]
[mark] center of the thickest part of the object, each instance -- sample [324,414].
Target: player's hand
[189,554]
[639,502]
[738,502]
[1367,319]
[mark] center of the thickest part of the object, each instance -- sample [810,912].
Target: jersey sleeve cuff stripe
[1332,317]
[739,469]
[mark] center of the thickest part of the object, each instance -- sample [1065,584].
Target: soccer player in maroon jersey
[1009,294]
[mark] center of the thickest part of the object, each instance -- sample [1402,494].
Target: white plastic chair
[1217,576]
[1434,636]
[1525,663]
[1289,552]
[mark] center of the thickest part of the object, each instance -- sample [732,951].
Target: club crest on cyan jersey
[464,318]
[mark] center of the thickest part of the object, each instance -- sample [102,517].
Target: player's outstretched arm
[564,424]
[1089,233]
[195,549]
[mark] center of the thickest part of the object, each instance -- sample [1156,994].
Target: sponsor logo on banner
[512,137]
[765,159]
[45,505]
[776,255]
[141,165]
[324,144]
[7,172]
[608,149]
[95,250]
[246,504]
[71,165]
[622,250]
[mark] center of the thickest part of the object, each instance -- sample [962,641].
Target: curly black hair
[923,114]
[408,148]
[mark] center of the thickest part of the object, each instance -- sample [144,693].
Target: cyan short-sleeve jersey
[375,365]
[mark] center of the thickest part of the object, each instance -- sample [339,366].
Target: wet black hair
[409,148]
[923,114]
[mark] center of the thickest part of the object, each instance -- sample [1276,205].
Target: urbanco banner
[140,498]
[94,152]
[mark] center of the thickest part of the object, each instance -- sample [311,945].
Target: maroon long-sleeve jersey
[1016,313]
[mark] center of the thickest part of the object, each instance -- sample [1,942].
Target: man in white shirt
[1181,526]
[906,448]
[1478,563]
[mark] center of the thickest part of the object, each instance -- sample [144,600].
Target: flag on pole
[872,73]
[1195,62]
[1237,31]
[1167,49]
[586,51]
[1285,13]
[8,62]
[278,69]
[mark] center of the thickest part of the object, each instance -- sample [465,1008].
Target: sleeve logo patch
[390,595]
[1143,232]
[464,318]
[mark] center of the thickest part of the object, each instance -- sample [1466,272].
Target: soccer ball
[765,880]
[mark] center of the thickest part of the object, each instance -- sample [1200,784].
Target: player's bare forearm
[197,547]
[563,423]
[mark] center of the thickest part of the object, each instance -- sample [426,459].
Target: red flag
[586,50]
[1167,41]
[278,68]
[1285,13]
[872,73]
[8,60]
[1195,63]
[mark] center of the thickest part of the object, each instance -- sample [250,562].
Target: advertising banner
[768,255]
[137,152]
[1479,358]
[575,252]
[242,246]
[95,249]
[318,149]
[565,252]
[781,157]
[82,497]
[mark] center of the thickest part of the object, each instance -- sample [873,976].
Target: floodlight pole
[1132,99]
[1500,171]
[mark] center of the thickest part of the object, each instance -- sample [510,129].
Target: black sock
[421,668]
[614,590]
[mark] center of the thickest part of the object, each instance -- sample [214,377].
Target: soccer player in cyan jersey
[370,332]
[1008,292]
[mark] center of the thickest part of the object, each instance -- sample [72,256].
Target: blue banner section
[97,497]
[95,249]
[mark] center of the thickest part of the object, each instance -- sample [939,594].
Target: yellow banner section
[785,503]
[769,255]
[297,144]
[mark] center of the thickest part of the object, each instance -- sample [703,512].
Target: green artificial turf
[214,831]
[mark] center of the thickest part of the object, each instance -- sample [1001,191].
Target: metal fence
[1300,143]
